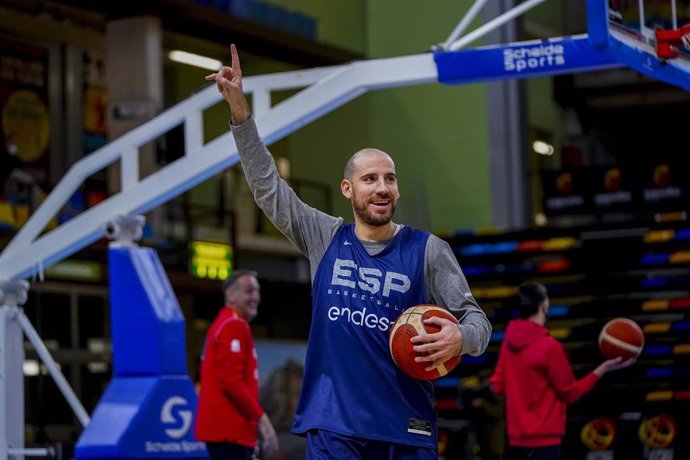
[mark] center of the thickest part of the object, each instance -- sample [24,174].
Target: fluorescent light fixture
[31,368]
[542,148]
[195,59]
[97,367]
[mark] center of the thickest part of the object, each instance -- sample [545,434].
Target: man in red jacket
[535,376]
[229,413]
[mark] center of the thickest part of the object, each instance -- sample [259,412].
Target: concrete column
[508,136]
[134,77]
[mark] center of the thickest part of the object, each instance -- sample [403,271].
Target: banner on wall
[566,192]
[613,189]
[652,187]
[24,109]
[664,186]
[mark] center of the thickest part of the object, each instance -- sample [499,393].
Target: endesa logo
[346,273]
[533,57]
[366,284]
[359,318]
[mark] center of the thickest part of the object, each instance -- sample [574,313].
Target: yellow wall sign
[25,118]
[80,270]
[210,260]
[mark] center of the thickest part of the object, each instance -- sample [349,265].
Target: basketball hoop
[668,41]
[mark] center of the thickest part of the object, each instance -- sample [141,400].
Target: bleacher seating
[592,275]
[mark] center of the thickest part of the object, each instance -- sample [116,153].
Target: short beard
[378,220]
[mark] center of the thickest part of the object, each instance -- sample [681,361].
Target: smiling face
[371,185]
[244,295]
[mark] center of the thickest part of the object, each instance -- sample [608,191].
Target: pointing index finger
[235,58]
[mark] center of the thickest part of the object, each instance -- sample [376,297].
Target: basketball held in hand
[410,324]
[621,337]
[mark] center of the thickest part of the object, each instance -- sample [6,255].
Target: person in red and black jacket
[535,376]
[229,414]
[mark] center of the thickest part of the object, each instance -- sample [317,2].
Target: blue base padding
[148,327]
[143,418]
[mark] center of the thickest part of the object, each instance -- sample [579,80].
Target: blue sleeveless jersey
[351,385]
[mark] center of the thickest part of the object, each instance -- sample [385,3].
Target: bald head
[371,185]
[351,164]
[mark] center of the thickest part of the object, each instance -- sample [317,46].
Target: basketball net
[668,41]
[685,40]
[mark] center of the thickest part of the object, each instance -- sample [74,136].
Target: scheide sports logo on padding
[528,58]
[176,418]
[179,424]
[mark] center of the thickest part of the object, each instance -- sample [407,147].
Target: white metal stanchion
[12,295]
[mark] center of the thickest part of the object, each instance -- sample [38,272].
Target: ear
[346,188]
[544,307]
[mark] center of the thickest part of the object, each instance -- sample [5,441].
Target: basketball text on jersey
[369,278]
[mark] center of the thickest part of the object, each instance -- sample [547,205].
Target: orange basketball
[621,337]
[409,324]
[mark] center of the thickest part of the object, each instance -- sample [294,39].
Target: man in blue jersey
[354,402]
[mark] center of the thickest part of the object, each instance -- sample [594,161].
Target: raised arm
[229,82]
[309,229]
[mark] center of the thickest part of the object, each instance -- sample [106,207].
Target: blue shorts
[326,445]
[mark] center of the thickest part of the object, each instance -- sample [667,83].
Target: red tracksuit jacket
[228,400]
[535,376]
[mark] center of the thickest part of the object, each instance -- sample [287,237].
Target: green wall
[340,22]
[436,134]
[548,15]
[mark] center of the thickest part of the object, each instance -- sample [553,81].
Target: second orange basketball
[621,337]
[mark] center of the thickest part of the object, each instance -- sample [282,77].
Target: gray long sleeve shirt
[311,231]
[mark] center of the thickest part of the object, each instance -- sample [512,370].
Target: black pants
[534,453]
[227,451]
